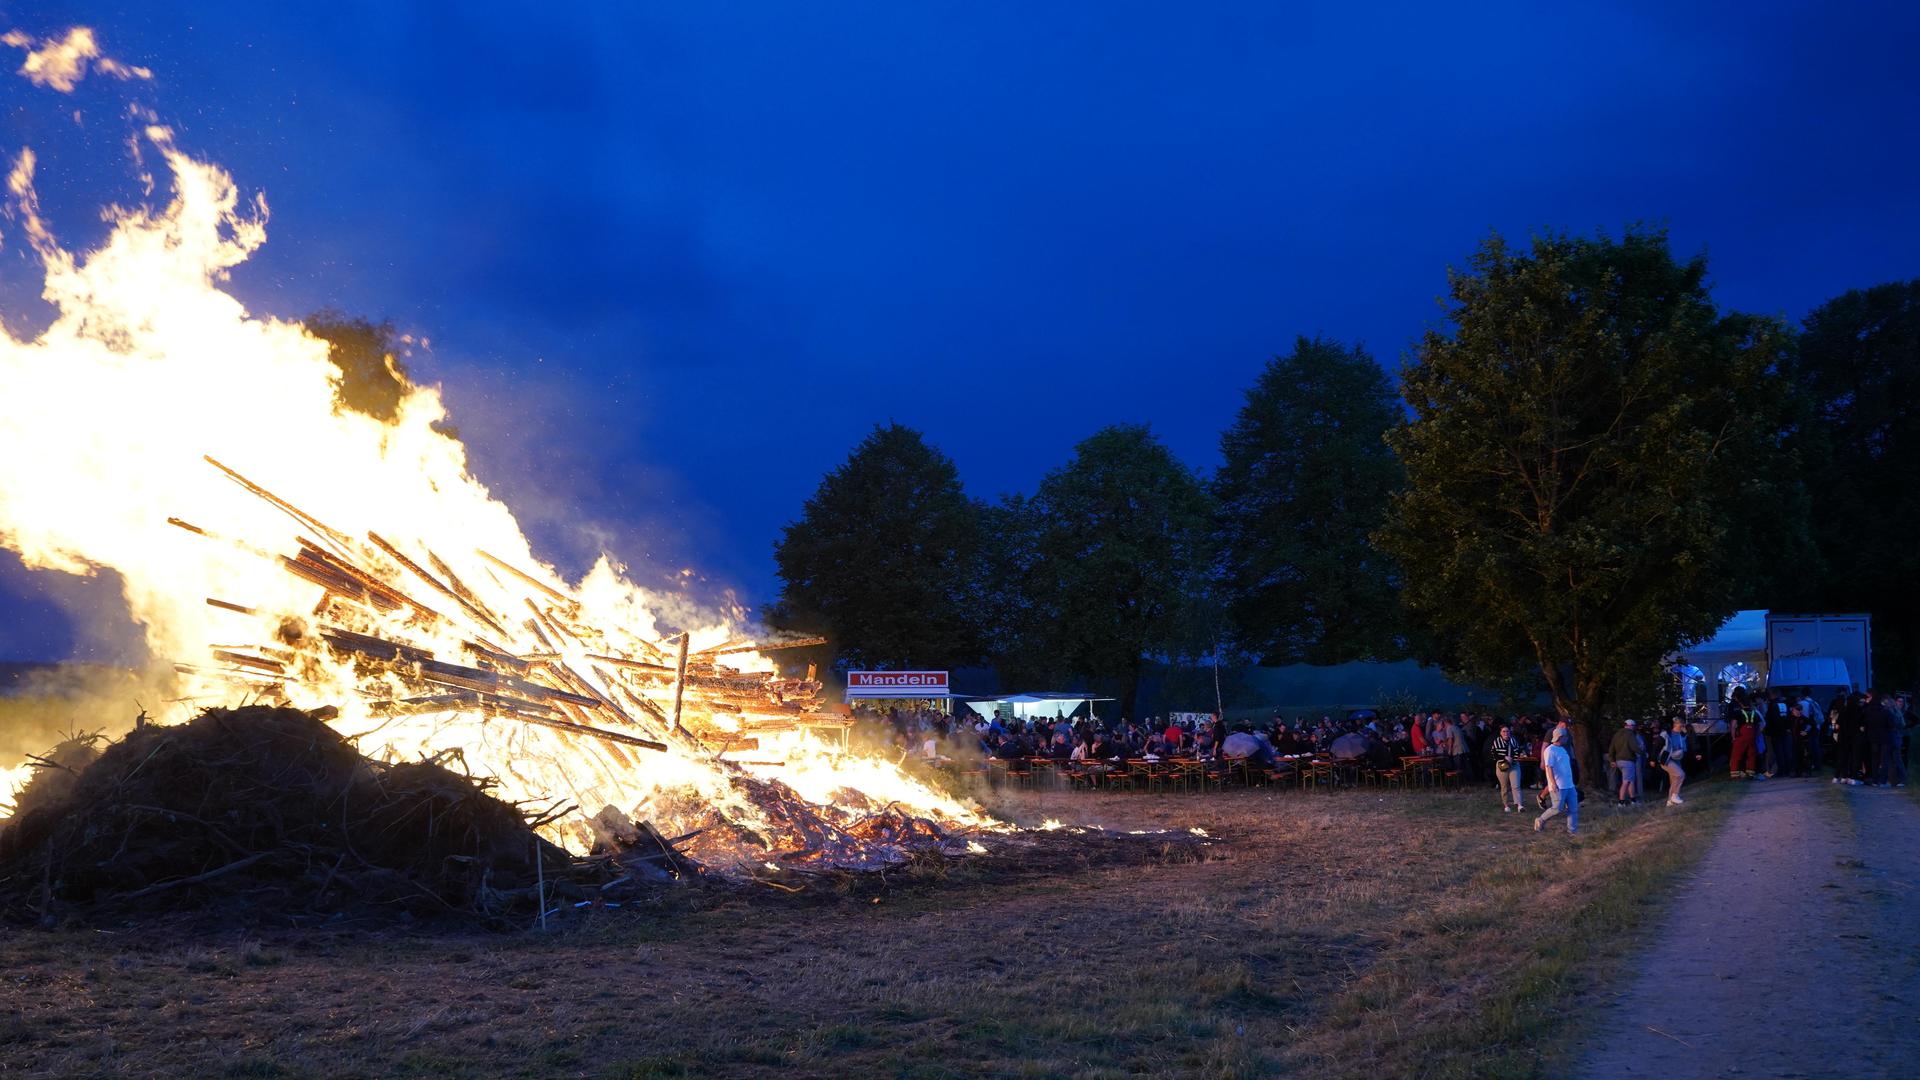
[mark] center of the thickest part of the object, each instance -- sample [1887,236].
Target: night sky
[676,261]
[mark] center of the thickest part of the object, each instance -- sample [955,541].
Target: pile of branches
[269,812]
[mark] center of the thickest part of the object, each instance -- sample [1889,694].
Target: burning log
[460,587]
[735,648]
[339,539]
[272,666]
[680,684]
[443,588]
[565,603]
[376,648]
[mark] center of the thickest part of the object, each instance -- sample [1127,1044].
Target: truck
[1821,655]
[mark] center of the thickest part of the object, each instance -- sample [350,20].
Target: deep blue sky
[676,261]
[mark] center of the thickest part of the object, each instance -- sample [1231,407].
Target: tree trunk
[1579,706]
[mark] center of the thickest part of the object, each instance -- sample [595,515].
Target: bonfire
[277,544]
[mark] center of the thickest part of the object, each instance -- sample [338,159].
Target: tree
[1111,557]
[1306,481]
[1860,366]
[1589,455]
[884,557]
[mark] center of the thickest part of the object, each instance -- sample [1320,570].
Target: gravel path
[1794,950]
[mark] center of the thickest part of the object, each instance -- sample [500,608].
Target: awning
[1043,703]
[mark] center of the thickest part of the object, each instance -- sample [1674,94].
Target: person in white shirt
[1566,799]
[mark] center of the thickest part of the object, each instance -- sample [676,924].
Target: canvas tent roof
[1741,638]
[1036,703]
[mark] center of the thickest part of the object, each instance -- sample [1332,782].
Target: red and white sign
[896,684]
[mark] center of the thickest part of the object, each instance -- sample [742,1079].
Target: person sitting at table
[1399,742]
[1361,748]
[1109,747]
[1061,747]
[1248,747]
[1283,741]
[1203,747]
[1173,736]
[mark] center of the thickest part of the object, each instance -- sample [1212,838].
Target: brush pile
[269,812]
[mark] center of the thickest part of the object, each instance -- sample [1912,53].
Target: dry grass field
[1324,935]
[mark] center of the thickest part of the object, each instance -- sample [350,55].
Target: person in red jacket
[1419,733]
[1745,720]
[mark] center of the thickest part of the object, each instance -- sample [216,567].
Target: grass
[1496,971]
[1321,935]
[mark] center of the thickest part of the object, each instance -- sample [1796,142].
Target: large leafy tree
[1860,366]
[1306,481]
[884,558]
[1594,462]
[1111,560]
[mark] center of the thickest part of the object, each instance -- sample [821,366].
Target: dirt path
[1793,951]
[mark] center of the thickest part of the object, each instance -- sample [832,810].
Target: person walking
[1673,759]
[1566,799]
[1626,753]
[1507,761]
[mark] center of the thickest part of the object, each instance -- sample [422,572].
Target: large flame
[150,370]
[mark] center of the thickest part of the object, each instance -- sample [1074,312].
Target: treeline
[1589,464]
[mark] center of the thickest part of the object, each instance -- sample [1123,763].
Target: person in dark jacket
[1878,727]
[1779,754]
[1850,740]
[1800,729]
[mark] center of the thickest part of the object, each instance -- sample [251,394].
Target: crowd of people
[1863,737]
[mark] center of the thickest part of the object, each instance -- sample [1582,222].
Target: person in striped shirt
[1508,753]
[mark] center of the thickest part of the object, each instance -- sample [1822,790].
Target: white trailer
[1820,653]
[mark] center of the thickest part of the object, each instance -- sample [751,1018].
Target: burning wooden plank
[738,647]
[439,586]
[632,665]
[566,603]
[337,538]
[261,663]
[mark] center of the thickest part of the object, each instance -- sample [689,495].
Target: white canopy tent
[1736,655]
[1049,705]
